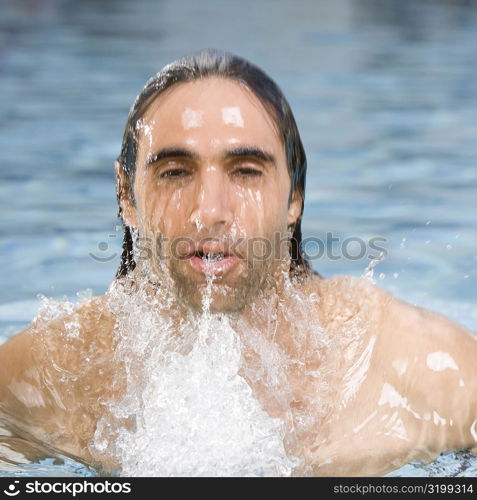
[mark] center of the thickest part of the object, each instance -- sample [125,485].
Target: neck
[274,295]
[264,312]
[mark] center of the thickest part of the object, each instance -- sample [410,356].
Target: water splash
[187,409]
[368,273]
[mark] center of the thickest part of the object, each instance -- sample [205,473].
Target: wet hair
[214,63]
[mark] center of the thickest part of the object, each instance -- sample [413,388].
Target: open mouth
[213,257]
[216,263]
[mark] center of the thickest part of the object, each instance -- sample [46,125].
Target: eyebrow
[165,153]
[239,152]
[250,152]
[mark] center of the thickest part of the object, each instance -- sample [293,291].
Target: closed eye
[174,173]
[247,171]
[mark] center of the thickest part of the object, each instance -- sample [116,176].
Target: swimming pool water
[384,96]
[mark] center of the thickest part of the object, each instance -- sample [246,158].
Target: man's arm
[54,374]
[20,361]
[434,361]
[414,380]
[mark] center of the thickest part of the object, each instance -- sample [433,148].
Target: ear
[294,208]
[128,210]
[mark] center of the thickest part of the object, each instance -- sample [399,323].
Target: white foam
[193,412]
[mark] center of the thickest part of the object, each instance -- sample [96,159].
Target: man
[210,183]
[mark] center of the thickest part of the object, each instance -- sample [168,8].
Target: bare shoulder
[346,300]
[76,349]
[426,324]
[427,338]
[85,318]
[88,323]
[53,346]
[415,366]
[62,337]
[55,373]
[412,346]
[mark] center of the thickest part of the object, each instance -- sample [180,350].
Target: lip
[215,267]
[212,248]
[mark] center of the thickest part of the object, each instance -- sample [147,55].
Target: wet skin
[402,381]
[215,169]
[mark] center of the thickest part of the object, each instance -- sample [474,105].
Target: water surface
[383,92]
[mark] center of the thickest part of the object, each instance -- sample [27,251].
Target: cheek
[173,212]
[168,211]
[262,210]
[249,209]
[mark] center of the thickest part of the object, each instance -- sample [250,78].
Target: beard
[225,294]
[224,297]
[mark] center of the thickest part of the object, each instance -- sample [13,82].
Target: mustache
[275,246]
[202,244]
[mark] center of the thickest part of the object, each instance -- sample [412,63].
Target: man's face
[211,179]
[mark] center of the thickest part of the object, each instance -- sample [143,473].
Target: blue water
[384,94]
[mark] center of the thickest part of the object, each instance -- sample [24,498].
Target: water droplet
[313,297]
[369,271]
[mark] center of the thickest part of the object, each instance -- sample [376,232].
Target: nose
[212,207]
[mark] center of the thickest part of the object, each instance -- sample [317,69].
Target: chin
[222,300]
[218,306]
[228,294]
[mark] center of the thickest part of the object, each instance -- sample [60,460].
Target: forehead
[208,109]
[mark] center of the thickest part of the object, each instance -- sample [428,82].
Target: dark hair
[210,63]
